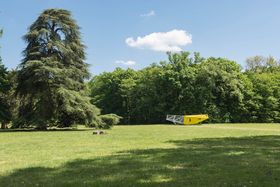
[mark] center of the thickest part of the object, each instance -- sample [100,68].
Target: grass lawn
[153,155]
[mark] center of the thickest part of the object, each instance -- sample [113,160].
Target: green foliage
[113,92]
[5,110]
[190,84]
[265,97]
[259,64]
[5,86]
[51,77]
[219,89]
[262,97]
[108,120]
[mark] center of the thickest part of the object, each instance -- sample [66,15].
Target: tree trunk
[3,125]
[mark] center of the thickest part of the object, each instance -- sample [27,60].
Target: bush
[108,120]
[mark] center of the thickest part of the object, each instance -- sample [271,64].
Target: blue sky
[235,29]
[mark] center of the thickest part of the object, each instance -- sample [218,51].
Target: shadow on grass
[246,161]
[48,130]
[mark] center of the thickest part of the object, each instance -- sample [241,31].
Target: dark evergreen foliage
[51,76]
[5,109]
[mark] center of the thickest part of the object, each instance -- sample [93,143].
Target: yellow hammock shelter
[187,119]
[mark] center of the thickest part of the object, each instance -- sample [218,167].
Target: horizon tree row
[190,84]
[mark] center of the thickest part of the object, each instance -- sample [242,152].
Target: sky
[136,33]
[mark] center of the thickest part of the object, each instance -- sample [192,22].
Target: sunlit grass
[144,155]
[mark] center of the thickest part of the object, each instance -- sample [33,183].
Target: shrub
[108,120]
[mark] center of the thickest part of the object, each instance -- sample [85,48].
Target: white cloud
[162,41]
[149,14]
[126,63]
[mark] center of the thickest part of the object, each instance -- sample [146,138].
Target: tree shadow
[246,161]
[48,130]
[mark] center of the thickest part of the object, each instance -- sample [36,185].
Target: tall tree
[113,91]
[51,76]
[264,104]
[260,64]
[219,89]
[5,114]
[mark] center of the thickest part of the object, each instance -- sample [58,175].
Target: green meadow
[143,155]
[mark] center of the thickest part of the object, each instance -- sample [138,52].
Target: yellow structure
[194,119]
[187,119]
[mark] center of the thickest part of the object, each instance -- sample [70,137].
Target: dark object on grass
[98,132]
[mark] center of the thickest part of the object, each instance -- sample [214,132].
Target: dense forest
[190,84]
[52,85]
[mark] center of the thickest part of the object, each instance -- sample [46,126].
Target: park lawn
[143,155]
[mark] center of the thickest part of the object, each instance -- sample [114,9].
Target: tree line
[190,84]
[49,86]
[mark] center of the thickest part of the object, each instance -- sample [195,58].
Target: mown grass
[153,155]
